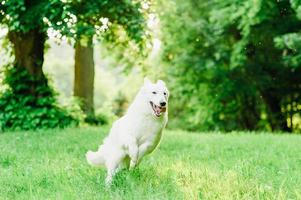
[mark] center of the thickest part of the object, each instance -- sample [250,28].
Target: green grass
[51,165]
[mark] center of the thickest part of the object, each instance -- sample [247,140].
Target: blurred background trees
[230,65]
[92,18]
[233,65]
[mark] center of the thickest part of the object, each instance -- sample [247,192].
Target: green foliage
[78,20]
[290,44]
[75,18]
[20,110]
[185,166]
[104,118]
[235,63]
[84,19]
[23,16]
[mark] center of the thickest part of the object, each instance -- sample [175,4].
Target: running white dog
[135,134]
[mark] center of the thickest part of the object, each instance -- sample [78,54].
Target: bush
[23,110]
[105,114]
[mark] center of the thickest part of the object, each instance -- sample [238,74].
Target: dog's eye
[164,93]
[154,92]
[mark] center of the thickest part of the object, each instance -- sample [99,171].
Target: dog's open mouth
[158,110]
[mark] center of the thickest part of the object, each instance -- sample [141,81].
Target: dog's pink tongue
[158,110]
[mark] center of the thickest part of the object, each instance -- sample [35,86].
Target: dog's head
[157,96]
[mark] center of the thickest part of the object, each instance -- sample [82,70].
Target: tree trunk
[276,118]
[250,113]
[84,76]
[29,54]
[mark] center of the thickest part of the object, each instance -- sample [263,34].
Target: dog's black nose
[162,103]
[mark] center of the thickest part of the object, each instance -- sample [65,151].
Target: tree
[25,21]
[84,76]
[29,102]
[94,18]
[236,66]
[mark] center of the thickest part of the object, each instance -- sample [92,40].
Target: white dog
[135,134]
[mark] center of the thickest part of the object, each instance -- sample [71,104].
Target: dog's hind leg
[113,164]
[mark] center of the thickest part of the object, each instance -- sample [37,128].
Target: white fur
[135,134]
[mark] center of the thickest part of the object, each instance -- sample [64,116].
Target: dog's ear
[147,81]
[160,82]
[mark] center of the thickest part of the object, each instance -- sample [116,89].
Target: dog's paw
[108,182]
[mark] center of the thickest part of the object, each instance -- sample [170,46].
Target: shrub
[22,110]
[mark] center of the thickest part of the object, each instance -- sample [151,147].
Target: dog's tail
[95,159]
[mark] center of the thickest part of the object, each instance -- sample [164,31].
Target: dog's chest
[148,131]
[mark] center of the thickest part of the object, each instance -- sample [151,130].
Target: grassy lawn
[51,165]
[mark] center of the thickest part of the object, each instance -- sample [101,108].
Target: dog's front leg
[143,150]
[133,153]
[134,156]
